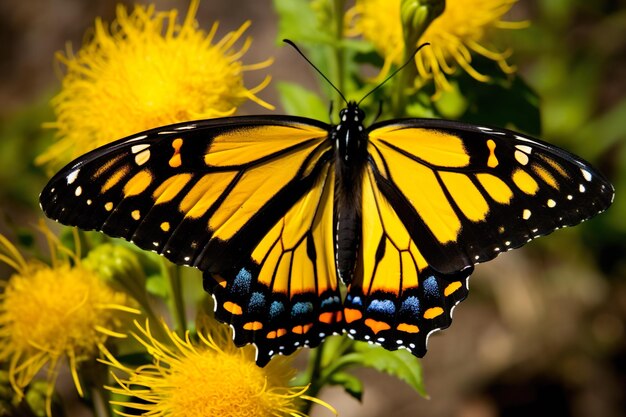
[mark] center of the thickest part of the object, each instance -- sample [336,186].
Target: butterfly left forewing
[186,191]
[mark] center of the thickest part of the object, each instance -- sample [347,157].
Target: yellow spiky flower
[143,71]
[52,314]
[207,377]
[461,30]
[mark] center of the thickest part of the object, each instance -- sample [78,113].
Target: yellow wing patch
[431,146]
[425,195]
[401,261]
[282,253]
[240,146]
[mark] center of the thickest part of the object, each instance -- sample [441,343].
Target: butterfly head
[349,134]
[351,115]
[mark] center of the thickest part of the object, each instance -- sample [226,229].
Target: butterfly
[281,212]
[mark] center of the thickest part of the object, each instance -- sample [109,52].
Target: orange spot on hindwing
[352,314]
[233,308]
[377,326]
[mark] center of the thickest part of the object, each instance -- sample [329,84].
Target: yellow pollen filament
[233,308]
[54,314]
[136,214]
[408,328]
[451,288]
[253,325]
[377,326]
[131,58]
[205,375]
[433,312]
[492,161]
[165,226]
[352,314]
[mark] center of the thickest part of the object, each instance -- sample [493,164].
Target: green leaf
[299,101]
[399,363]
[505,101]
[349,382]
[158,286]
[299,22]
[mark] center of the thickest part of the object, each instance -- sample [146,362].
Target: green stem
[338,15]
[416,16]
[315,372]
[99,399]
[176,300]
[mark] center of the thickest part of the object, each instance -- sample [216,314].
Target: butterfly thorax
[350,142]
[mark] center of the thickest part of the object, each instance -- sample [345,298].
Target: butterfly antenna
[293,45]
[400,68]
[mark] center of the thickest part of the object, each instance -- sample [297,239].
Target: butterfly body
[350,145]
[277,211]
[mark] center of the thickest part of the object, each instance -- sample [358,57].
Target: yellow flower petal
[51,313]
[463,27]
[208,377]
[143,71]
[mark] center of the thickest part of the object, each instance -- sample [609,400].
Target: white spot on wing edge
[142,157]
[586,174]
[137,138]
[186,127]
[521,157]
[71,177]
[138,148]
[524,148]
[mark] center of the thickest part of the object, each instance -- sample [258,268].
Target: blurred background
[543,332]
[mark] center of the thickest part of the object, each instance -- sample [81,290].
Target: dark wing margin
[468,193]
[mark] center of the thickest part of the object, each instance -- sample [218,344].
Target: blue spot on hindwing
[242,282]
[257,302]
[330,301]
[301,308]
[382,306]
[356,300]
[411,305]
[431,287]
[276,309]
